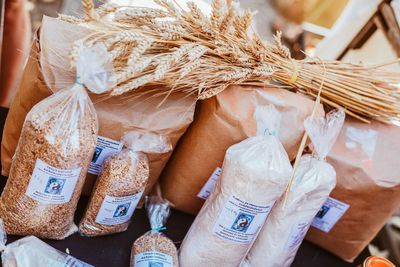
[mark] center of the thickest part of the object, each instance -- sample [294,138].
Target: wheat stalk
[193,53]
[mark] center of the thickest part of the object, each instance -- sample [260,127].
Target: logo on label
[97,152]
[121,210]
[156,264]
[242,222]
[54,186]
[322,212]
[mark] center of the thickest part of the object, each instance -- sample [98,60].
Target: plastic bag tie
[77,80]
[159,229]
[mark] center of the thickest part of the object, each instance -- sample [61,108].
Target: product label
[210,184]
[153,259]
[117,210]
[297,235]
[105,147]
[72,262]
[240,221]
[329,214]
[51,185]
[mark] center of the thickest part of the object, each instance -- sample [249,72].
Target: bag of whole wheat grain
[47,71]
[254,175]
[367,191]
[121,184]
[284,229]
[30,251]
[222,121]
[154,248]
[53,154]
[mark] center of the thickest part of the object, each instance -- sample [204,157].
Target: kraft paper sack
[222,121]
[48,64]
[367,192]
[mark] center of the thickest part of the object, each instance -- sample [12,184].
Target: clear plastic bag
[154,247]
[121,184]
[284,230]
[254,175]
[52,157]
[30,251]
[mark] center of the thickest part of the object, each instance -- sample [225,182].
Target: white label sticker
[297,235]
[153,259]
[210,184]
[51,185]
[240,221]
[105,147]
[72,262]
[329,214]
[117,210]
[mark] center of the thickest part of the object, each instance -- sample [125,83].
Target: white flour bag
[284,230]
[30,251]
[254,175]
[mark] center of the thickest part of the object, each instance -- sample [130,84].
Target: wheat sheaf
[175,48]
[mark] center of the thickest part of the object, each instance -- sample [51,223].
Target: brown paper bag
[222,121]
[366,161]
[48,64]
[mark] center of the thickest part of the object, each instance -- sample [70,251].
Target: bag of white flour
[254,175]
[284,230]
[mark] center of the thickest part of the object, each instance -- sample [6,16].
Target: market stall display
[254,175]
[121,184]
[53,155]
[154,247]
[367,192]
[290,218]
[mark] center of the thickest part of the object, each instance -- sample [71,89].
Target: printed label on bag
[240,221]
[105,147]
[51,185]
[329,214]
[117,210]
[297,235]
[153,259]
[210,184]
[72,262]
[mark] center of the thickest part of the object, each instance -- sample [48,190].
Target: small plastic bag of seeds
[154,248]
[121,184]
[30,251]
[53,154]
[285,228]
[254,175]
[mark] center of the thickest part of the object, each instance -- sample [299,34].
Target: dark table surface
[114,250]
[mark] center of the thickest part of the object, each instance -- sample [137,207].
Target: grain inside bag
[367,191]
[53,154]
[221,122]
[154,248]
[284,229]
[121,184]
[254,175]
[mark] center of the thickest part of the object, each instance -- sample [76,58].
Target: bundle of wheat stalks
[174,48]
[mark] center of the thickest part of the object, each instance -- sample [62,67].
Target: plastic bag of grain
[154,248]
[284,230]
[121,184]
[30,251]
[254,175]
[53,154]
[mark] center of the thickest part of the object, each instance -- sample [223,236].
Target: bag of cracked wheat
[53,154]
[30,251]
[155,247]
[121,184]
